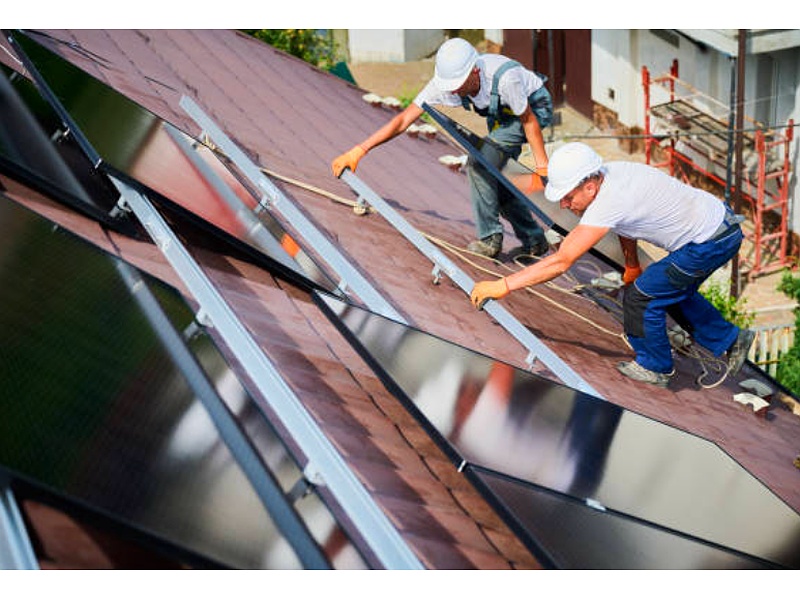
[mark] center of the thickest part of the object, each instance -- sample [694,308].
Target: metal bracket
[264,203]
[59,134]
[530,359]
[437,275]
[361,207]
[592,503]
[120,208]
[312,478]
[203,318]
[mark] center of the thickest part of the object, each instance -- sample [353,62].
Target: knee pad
[633,306]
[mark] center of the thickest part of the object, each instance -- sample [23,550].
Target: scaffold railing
[688,133]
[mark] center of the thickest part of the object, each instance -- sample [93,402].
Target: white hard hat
[454,61]
[568,166]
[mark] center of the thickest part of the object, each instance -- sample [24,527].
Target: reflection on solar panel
[126,140]
[99,411]
[505,420]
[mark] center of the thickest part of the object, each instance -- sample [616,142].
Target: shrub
[732,309]
[788,371]
[312,45]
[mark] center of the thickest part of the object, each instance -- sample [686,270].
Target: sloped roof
[292,119]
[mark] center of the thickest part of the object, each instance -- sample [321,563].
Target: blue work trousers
[670,285]
[491,199]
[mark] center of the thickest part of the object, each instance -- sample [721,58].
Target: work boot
[489,246]
[737,353]
[636,371]
[527,253]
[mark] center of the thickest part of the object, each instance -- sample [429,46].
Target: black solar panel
[491,415]
[96,410]
[571,534]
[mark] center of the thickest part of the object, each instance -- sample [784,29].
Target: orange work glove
[488,290]
[630,275]
[348,159]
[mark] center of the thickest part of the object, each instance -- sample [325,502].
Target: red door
[564,55]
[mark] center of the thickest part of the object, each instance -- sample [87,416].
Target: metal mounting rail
[325,465]
[16,550]
[536,349]
[262,480]
[276,201]
[256,230]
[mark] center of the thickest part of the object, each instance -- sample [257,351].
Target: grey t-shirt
[641,202]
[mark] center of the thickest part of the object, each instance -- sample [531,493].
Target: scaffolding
[688,132]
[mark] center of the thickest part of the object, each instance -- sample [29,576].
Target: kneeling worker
[637,201]
[517,107]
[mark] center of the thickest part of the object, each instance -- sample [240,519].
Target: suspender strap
[494,98]
[492,112]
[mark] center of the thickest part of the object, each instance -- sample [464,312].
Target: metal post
[737,190]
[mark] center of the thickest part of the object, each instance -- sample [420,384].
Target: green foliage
[732,309]
[406,97]
[311,45]
[788,371]
[790,286]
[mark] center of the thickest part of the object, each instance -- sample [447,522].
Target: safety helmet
[568,166]
[454,61]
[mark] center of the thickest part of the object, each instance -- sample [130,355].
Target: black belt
[729,222]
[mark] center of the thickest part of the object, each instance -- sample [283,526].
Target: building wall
[772,82]
[393,45]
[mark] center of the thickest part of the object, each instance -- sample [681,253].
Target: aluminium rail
[536,348]
[261,478]
[325,464]
[275,200]
[16,550]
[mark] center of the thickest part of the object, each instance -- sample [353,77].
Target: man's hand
[348,159]
[488,290]
[630,275]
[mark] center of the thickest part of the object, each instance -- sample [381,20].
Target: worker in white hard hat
[517,107]
[637,201]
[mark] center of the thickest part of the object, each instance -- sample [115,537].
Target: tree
[312,45]
[788,371]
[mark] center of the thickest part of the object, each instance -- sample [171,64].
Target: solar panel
[570,534]
[51,163]
[124,139]
[96,409]
[491,415]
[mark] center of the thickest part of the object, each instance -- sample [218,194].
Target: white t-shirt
[514,87]
[641,202]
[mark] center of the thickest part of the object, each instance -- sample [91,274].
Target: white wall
[393,45]
[614,74]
